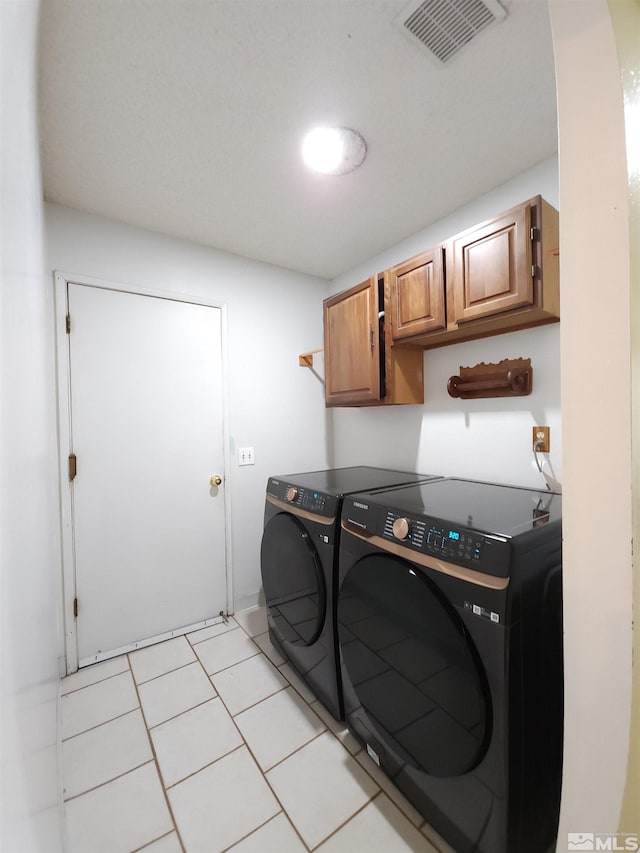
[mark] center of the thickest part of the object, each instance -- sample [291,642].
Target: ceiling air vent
[446,26]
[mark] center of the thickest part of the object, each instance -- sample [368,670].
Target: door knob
[216,480]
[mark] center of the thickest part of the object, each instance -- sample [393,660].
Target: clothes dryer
[450,644]
[299,562]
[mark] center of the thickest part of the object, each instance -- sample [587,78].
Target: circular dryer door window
[413,666]
[293,580]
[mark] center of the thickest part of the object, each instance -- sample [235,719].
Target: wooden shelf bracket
[508,378]
[305,359]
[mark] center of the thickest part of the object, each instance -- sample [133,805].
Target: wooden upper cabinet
[499,276]
[417,297]
[361,366]
[491,268]
[351,345]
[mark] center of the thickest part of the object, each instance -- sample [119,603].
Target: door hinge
[75,608]
[68,322]
[73,466]
[534,233]
[533,270]
[371,338]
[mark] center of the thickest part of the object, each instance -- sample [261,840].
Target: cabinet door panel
[492,266]
[417,295]
[352,367]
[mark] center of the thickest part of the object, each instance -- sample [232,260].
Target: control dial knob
[401,528]
[292,494]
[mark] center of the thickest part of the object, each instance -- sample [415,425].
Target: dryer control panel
[425,534]
[300,497]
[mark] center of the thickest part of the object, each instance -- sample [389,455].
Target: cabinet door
[352,362]
[417,295]
[492,266]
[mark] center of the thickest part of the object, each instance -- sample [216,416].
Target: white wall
[596,383]
[273,315]
[30,815]
[485,439]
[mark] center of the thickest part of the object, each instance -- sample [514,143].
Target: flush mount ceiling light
[333,150]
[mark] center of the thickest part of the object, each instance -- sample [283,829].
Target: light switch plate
[246,456]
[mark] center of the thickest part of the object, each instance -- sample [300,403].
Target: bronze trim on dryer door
[451,569]
[302,513]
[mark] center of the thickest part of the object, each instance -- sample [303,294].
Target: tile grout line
[182,713]
[397,805]
[299,692]
[260,771]
[107,781]
[161,674]
[204,767]
[258,702]
[231,665]
[155,760]
[257,829]
[285,758]
[349,819]
[92,683]
[228,630]
[326,729]
[291,754]
[215,637]
[232,627]
[98,725]
[159,838]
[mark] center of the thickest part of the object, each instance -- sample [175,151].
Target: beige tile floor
[210,742]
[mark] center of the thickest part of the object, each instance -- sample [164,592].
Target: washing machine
[299,562]
[449,612]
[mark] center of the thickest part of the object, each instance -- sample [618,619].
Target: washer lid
[341,481]
[486,507]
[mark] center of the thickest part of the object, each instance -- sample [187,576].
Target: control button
[292,493]
[401,528]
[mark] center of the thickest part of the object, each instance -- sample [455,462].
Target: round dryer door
[413,666]
[293,580]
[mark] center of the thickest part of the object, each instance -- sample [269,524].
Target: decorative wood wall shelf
[508,378]
[305,359]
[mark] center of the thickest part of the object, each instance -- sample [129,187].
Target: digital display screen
[453,534]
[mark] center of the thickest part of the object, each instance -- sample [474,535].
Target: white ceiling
[186,116]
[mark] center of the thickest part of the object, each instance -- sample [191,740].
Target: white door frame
[63,380]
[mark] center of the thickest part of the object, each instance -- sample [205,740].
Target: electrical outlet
[245,456]
[541,439]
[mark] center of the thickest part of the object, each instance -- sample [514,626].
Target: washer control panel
[429,535]
[315,502]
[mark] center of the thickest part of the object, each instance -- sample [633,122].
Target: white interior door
[146,428]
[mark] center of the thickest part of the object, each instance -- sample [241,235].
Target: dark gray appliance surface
[299,561]
[450,652]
